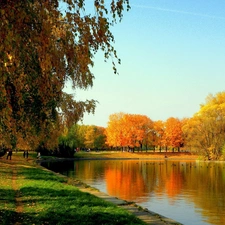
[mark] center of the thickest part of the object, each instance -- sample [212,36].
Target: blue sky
[173,56]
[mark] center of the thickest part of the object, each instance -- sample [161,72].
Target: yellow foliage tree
[205,131]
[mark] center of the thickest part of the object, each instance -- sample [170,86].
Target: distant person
[24,154]
[38,155]
[27,153]
[9,155]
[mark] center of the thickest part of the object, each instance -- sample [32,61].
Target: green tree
[43,45]
[95,137]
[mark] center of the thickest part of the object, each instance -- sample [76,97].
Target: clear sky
[173,56]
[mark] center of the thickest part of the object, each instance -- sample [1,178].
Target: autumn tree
[205,131]
[127,130]
[159,129]
[135,129]
[191,134]
[173,133]
[114,134]
[145,128]
[43,45]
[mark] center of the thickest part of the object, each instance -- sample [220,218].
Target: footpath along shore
[31,194]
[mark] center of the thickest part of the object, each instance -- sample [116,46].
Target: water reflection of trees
[200,183]
[125,181]
[208,181]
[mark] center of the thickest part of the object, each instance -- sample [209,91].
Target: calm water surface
[188,192]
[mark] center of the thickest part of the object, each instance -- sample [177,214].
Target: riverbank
[33,195]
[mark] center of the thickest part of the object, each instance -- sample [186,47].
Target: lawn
[30,194]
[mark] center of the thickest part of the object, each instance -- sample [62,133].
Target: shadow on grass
[46,199]
[7,217]
[7,206]
[7,195]
[59,207]
[65,206]
[70,206]
[59,218]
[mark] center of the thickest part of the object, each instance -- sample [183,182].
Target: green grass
[48,199]
[7,195]
[83,154]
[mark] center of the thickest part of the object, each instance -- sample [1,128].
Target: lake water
[190,192]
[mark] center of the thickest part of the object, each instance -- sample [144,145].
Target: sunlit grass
[48,199]
[7,194]
[83,154]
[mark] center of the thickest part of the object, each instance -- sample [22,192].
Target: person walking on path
[9,155]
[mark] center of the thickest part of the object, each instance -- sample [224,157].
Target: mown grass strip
[7,194]
[48,199]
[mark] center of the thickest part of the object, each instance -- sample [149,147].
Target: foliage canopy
[205,131]
[43,45]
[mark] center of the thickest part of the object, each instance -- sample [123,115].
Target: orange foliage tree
[159,129]
[127,130]
[173,133]
[114,129]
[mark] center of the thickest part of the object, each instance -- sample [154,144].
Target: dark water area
[190,192]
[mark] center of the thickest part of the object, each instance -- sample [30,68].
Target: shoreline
[144,214]
[135,159]
[153,156]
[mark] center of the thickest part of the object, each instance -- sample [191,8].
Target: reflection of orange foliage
[174,184]
[126,185]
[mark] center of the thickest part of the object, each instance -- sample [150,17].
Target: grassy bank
[32,195]
[136,155]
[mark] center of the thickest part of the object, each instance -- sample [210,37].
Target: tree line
[202,134]
[46,45]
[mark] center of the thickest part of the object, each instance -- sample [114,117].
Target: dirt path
[13,166]
[18,201]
